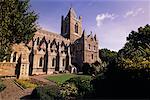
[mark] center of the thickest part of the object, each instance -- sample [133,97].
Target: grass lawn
[61,78]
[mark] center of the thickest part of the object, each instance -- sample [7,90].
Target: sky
[110,20]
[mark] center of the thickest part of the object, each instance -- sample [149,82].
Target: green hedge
[47,92]
[77,88]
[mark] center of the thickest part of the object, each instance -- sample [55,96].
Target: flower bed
[26,83]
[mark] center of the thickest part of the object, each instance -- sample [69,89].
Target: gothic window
[53,62]
[38,41]
[63,62]
[94,48]
[14,57]
[40,63]
[76,28]
[89,46]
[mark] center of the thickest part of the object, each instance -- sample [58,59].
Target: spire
[72,12]
[83,34]
[91,34]
[95,37]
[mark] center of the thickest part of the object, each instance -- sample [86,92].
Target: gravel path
[12,91]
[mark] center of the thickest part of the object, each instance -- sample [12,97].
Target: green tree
[107,55]
[134,57]
[17,24]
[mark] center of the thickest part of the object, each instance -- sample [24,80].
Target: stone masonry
[48,52]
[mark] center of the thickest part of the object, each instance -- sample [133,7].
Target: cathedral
[50,52]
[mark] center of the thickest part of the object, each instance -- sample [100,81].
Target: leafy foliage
[83,85]
[68,90]
[128,71]
[107,55]
[47,92]
[92,69]
[17,24]
[134,58]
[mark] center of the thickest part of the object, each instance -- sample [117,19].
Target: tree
[107,55]
[134,57]
[17,24]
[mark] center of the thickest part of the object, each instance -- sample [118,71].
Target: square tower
[71,26]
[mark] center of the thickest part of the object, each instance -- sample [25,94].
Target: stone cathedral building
[48,52]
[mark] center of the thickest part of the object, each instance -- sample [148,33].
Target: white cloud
[134,12]
[101,17]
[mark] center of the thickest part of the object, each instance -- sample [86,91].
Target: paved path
[14,92]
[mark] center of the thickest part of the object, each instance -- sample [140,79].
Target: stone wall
[7,69]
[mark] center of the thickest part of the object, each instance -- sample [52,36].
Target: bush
[92,69]
[47,92]
[68,90]
[83,85]
[2,86]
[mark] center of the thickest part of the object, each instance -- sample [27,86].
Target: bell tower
[71,26]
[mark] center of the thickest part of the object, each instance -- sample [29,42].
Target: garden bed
[26,83]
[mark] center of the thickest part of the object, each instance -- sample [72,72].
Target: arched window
[63,62]
[38,41]
[89,46]
[94,48]
[14,57]
[53,62]
[41,61]
[76,28]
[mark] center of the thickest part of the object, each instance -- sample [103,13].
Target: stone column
[49,63]
[60,58]
[35,64]
[24,68]
[60,63]
[69,55]
[11,58]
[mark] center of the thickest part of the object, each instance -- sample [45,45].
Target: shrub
[83,85]
[68,90]
[93,69]
[47,92]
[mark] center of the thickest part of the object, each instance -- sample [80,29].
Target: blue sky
[110,20]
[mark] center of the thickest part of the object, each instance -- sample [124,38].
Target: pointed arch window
[41,61]
[76,28]
[53,62]
[94,48]
[14,57]
[38,40]
[63,62]
[89,46]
